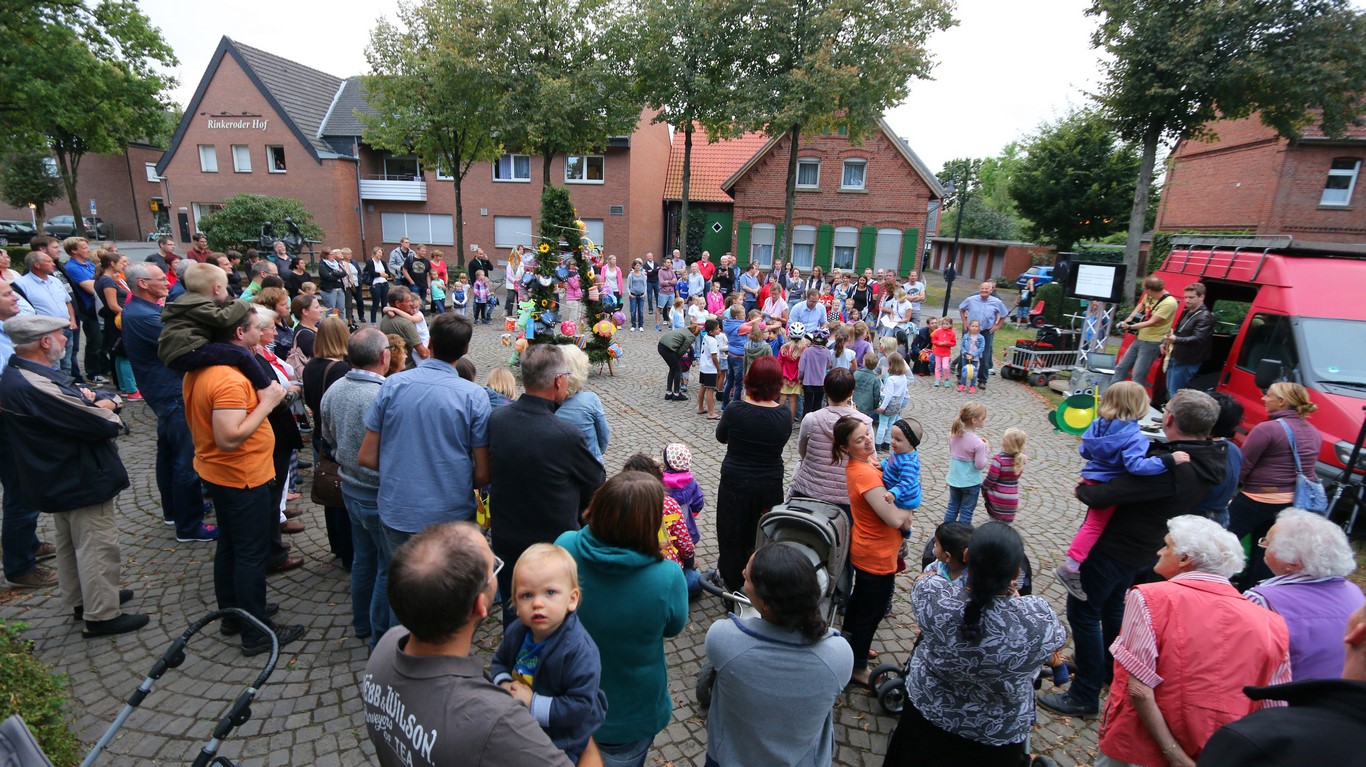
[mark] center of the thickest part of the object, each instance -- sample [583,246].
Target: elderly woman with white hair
[1309,558]
[1188,646]
[583,408]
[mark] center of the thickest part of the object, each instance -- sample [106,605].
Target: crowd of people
[425,478]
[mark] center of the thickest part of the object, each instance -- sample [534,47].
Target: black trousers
[812,396]
[740,502]
[864,612]
[917,741]
[675,378]
[245,520]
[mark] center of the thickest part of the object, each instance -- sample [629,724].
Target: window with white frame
[888,252]
[511,231]
[513,167]
[594,231]
[241,158]
[275,158]
[583,169]
[442,174]
[50,167]
[208,158]
[808,173]
[402,169]
[428,228]
[761,244]
[1342,179]
[846,246]
[152,174]
[803,247]
[855,172]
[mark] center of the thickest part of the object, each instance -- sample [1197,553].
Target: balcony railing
[404,188]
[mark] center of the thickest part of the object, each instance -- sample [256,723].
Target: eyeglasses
[1263,542]
[497,568]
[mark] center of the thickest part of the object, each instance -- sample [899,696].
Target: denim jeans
[334,300]
[962,502]
[637,311]
[1095,624]
[19,528]
[182,497]
[735,380]
[651,296]
[67,364]
[625,754]
[245,519]
[1179,376]
[369,570]
[984,366]
[1138,359]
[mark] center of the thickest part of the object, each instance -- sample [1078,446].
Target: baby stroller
[819,530]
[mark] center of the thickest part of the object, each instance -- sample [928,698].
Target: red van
[1295,309]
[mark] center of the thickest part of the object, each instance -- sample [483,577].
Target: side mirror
[1268,372]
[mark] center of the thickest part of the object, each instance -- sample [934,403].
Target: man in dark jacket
[68,466]
[1126,548]
[1325,722]
[480,263]
[543,474]
[1190,340]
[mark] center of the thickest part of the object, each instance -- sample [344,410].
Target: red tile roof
[712,163]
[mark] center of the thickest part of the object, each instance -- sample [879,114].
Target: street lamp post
[33,215]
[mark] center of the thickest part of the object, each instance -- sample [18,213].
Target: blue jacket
[901,477]
[1113,448]
[735,343]
[160,386]
[566,698]
[977,349]
[632,602]
[683,488]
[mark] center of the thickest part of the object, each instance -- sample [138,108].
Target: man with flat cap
[69,467]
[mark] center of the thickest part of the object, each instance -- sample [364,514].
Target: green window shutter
[781,249]
[825,246]
[867,248]
[910,250]
[742,244]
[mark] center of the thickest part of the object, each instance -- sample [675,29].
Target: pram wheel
[891,695]
[706,677]
[882,673]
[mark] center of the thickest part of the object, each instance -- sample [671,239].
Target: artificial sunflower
[545,247]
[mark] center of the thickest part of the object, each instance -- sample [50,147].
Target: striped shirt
[1253,596]
[1136,646]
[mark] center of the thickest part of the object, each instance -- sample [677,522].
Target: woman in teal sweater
[633,598]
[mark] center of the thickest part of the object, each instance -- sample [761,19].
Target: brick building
[1248,179]
[858,205]
[988,259]
[261,124]
[123,187]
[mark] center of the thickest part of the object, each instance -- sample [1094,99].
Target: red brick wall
[895,196]
[122,198]
[1297,211]
[326,188]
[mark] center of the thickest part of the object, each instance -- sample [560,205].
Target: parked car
[64,226]
[16,232]
[1042,275]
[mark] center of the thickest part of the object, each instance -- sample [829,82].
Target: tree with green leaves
[81,78]
[560,245]
[1177,65]
[827,65]
[430,90]
[981,188]
[237,224]
[564,89]
[1076,180]
[26,179]
[684,69]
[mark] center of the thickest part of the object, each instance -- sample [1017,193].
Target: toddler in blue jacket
[547,660]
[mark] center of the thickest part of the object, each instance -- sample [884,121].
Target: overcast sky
[1006,67]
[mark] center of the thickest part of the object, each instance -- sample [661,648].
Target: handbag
[327,483]
[1309,493]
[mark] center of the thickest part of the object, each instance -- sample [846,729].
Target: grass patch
[30,689]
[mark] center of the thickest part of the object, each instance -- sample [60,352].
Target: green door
[718,232]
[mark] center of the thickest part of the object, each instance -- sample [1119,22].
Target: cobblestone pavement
[309,711]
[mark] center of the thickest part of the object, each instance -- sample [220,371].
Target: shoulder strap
[1290,435]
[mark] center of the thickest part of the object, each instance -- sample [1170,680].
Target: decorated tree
[563,254]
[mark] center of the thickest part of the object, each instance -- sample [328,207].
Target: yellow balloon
[1079,418]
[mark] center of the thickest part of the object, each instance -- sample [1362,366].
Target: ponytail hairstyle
[784,580]
[1013,445]
[995,556]
[968,414]
[839,344]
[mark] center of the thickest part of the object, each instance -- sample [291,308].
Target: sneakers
[45,550]
[285,634]
[971,389]
[1070,580]
[124,595]
[658,328]
[1062,703]
[133,397]
[961,387]
[204,533]
[232,626]
[37,578]
[120,625]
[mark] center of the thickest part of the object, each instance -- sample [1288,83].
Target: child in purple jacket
[681,486]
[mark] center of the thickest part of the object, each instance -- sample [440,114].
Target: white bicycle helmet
[796,330]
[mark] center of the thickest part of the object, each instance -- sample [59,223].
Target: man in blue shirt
[48,295]
[811,312]
[748,285]
[182,497]
[735,361]
[80,272]
[427,434]
[990,312]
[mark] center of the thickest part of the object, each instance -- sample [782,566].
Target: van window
[1335,351]
[1269,337]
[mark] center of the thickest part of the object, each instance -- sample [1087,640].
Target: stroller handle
[712,584]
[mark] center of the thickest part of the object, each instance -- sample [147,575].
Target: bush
[1002,282]
[16,257]
[237,224]
[1055,307]
[30,689]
